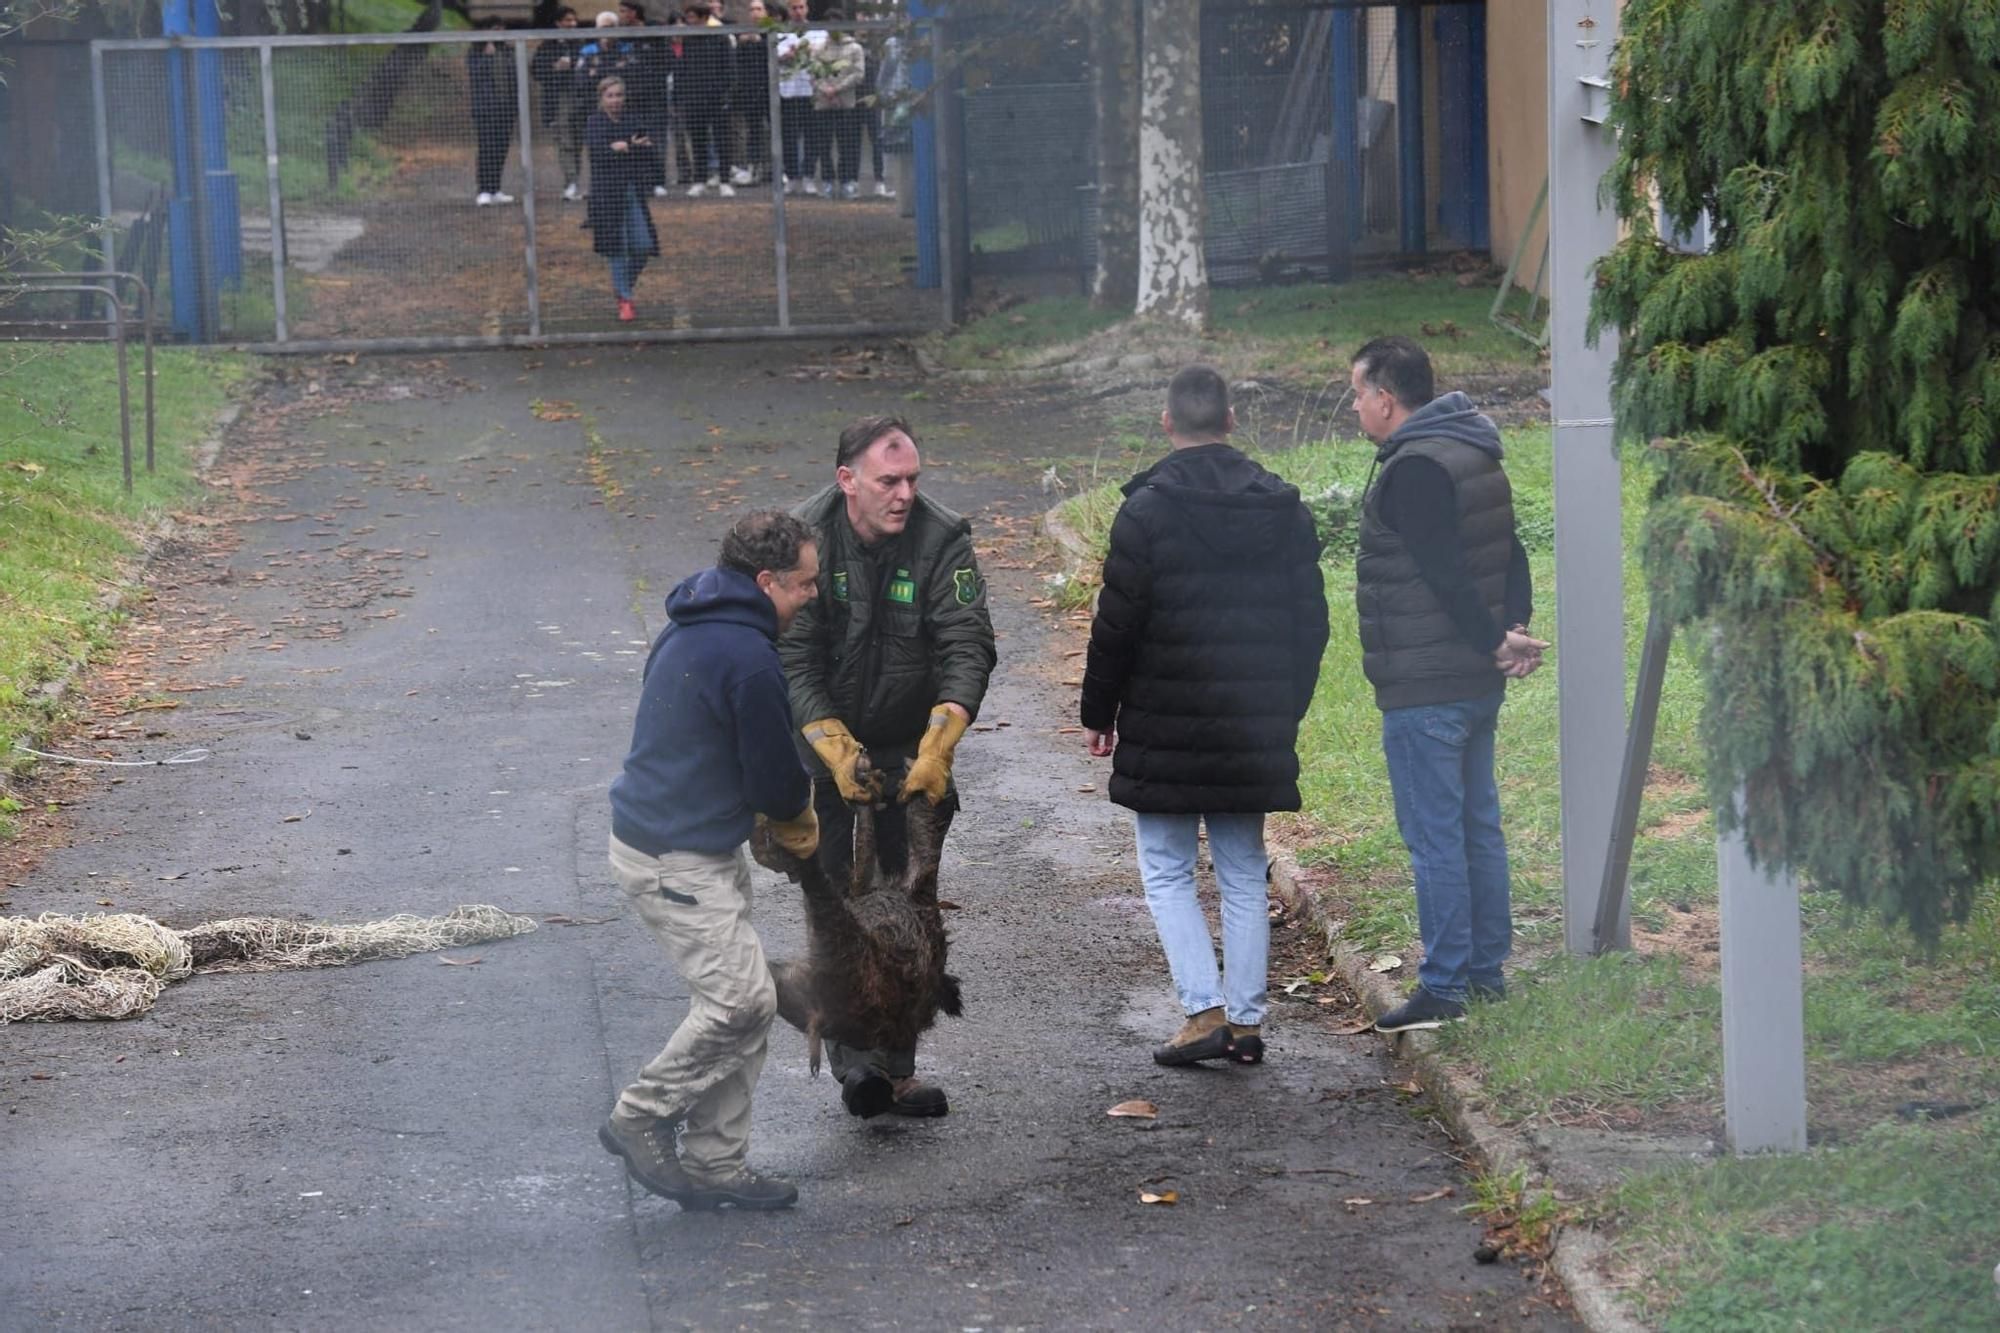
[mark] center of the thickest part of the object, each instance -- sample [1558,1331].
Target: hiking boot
[746,1189]
[1422,1012]
[913,1097]
[866,1092]
[1246,1043]
[647,1145]
[1205,1036]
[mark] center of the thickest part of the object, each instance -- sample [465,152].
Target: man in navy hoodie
[711,753]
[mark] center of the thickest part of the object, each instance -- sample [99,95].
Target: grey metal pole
[1763,1004]
[780,238]
[264,75]
[124,389]
[1611,927]
[527,185]
[1589,541]
[107,237]
[945,85]
[208,320]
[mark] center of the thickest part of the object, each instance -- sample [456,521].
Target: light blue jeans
[1448,809]
[1167,845]
[634,241]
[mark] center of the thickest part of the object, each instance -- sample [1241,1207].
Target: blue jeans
[1166,863]
[635,241]
[1448,808]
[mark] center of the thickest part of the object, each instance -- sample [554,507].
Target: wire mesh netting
[497,184]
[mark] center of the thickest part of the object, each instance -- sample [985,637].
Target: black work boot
[914,1097]
[647,1145]
[866,1091]
[746,1189]
[1205,1036]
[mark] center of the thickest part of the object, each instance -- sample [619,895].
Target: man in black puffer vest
[1204,654]
[1440,572]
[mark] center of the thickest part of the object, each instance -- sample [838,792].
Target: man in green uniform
[889,661]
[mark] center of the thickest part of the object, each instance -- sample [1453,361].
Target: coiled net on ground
[114,965]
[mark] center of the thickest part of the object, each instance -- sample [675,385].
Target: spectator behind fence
[842,65]
[874,90]
[1439,572]
[701,96]
[797,123]
[647,68]
[621,228]
[1204,654]
[565,102]
[489,76]
[750,99]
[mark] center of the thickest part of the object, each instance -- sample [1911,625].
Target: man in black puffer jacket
[1204,655]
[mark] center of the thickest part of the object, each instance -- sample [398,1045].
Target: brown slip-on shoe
[1246,1043]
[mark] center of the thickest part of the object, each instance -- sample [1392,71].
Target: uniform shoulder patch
[839,585]
[968,584]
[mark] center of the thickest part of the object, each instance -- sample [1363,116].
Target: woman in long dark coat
[620,167]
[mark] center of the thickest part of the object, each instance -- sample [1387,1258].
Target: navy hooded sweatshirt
[712,744]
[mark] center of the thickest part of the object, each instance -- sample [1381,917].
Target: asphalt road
[429,641]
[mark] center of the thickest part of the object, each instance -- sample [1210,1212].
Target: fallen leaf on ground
[1137,1109]
[947,905]
[293,819]
[1388,962]
[1168,1197]
[462,962]
[1442,1192]
[1408,1085]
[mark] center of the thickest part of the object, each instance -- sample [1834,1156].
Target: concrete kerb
[1078,369]
[1579,1255]
[152,538]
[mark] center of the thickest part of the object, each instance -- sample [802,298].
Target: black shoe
[866,1092]
[1488,992]
[647,1146]
[1205,1036]
[1421,1012]
[915,1098]
[746,1189]
[1246,1044]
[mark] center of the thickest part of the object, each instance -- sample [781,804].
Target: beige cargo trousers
[698,907]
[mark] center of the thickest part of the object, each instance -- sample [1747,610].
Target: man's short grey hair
[1400,365]
[1198,403]
[765,539]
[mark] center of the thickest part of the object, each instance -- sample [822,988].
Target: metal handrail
[145,316]
[118,337]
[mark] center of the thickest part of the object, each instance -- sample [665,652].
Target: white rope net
[114,965]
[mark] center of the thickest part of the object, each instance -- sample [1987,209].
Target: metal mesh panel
[443,189]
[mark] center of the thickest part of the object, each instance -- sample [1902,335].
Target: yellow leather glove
[931,773]
[798,835]
[841,753]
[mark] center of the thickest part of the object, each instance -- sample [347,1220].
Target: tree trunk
[1114,64]
[1173,280]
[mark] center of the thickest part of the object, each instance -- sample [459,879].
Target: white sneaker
[571,192]
[726,190]
[740,176]
[659,192]
[502,197]
[826,189]
[697,190]
[791,186]
[482,199]
[851,190]
[882,190]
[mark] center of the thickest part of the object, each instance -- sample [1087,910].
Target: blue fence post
[923,129]
[1463,213]
[1412,208]
[225,228]
[1347,117]
[176,21]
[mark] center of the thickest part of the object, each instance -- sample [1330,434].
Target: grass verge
[66,525]
[1286,332]
[1632,1042]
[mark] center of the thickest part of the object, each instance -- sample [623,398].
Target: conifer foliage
[1824,388]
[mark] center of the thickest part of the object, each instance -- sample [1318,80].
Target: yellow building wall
[1517,123]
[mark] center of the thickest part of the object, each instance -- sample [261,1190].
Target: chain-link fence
[1331,135]
[493,187]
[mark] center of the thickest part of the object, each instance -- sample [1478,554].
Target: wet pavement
[431,636]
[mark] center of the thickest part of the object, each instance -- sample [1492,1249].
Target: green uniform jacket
[893,631]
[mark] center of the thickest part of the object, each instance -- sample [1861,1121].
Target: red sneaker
[626,314]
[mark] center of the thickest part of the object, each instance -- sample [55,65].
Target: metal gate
[325,193]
